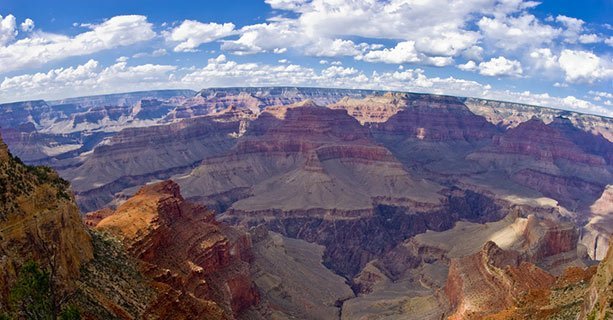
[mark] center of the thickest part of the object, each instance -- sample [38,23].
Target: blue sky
[551,53]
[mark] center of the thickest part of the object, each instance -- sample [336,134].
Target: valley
[292,202]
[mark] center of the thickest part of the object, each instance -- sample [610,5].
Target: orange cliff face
[489,281]
[38,221]
[184,247]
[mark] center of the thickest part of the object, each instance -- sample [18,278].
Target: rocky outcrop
[567,190]
[184,247]
[598,303]
[489,281]
[596,234]
[38,221]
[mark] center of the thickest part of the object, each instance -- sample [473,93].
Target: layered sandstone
[542,142]
[373,109]
[546,159]
[596,235]
[436,118]
[489,281]
[313,158]
[136,156]
[184,247]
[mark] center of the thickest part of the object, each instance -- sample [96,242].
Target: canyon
[281,202]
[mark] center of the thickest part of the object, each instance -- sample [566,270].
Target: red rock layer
[185,247]
[489,281]
[437,118]
[542,142]
[373,109]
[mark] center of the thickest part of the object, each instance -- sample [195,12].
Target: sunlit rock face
[185,247]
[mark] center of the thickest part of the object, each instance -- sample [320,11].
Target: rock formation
[598,303]
[38,221]
[545,159]
[436,118]
[184,247]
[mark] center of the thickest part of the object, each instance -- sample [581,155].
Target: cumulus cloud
[285,4]
[8,31]
[42,47]
[512,33]
[584,66]
[88,78]
[589,38]
[27,25]
[433,32]
[191,34]
[500,66]
[403,52]
[468,66]
[544,59]
[264,37]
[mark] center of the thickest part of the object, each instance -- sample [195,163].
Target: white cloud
[334,48]
[336,71]
[322,28]
[609,41]
[42,47]
[191,34]
[403,52]
[285,4]
[512,33]
[468,66]
[589,38]
[86,79]
[264,37]
[500,66]
[544,59]
[473,53]
[8,31]
[573,26]
[223,72]
[584,66]
[155,53]
[27,25]
[447,44]
[601,94]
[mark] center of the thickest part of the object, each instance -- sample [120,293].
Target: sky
[555,53]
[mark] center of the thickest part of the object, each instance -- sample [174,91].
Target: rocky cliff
[489,281]
[38,221]
[436,118]
[550,160]
[184,247]
[136,156]
[598,303]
